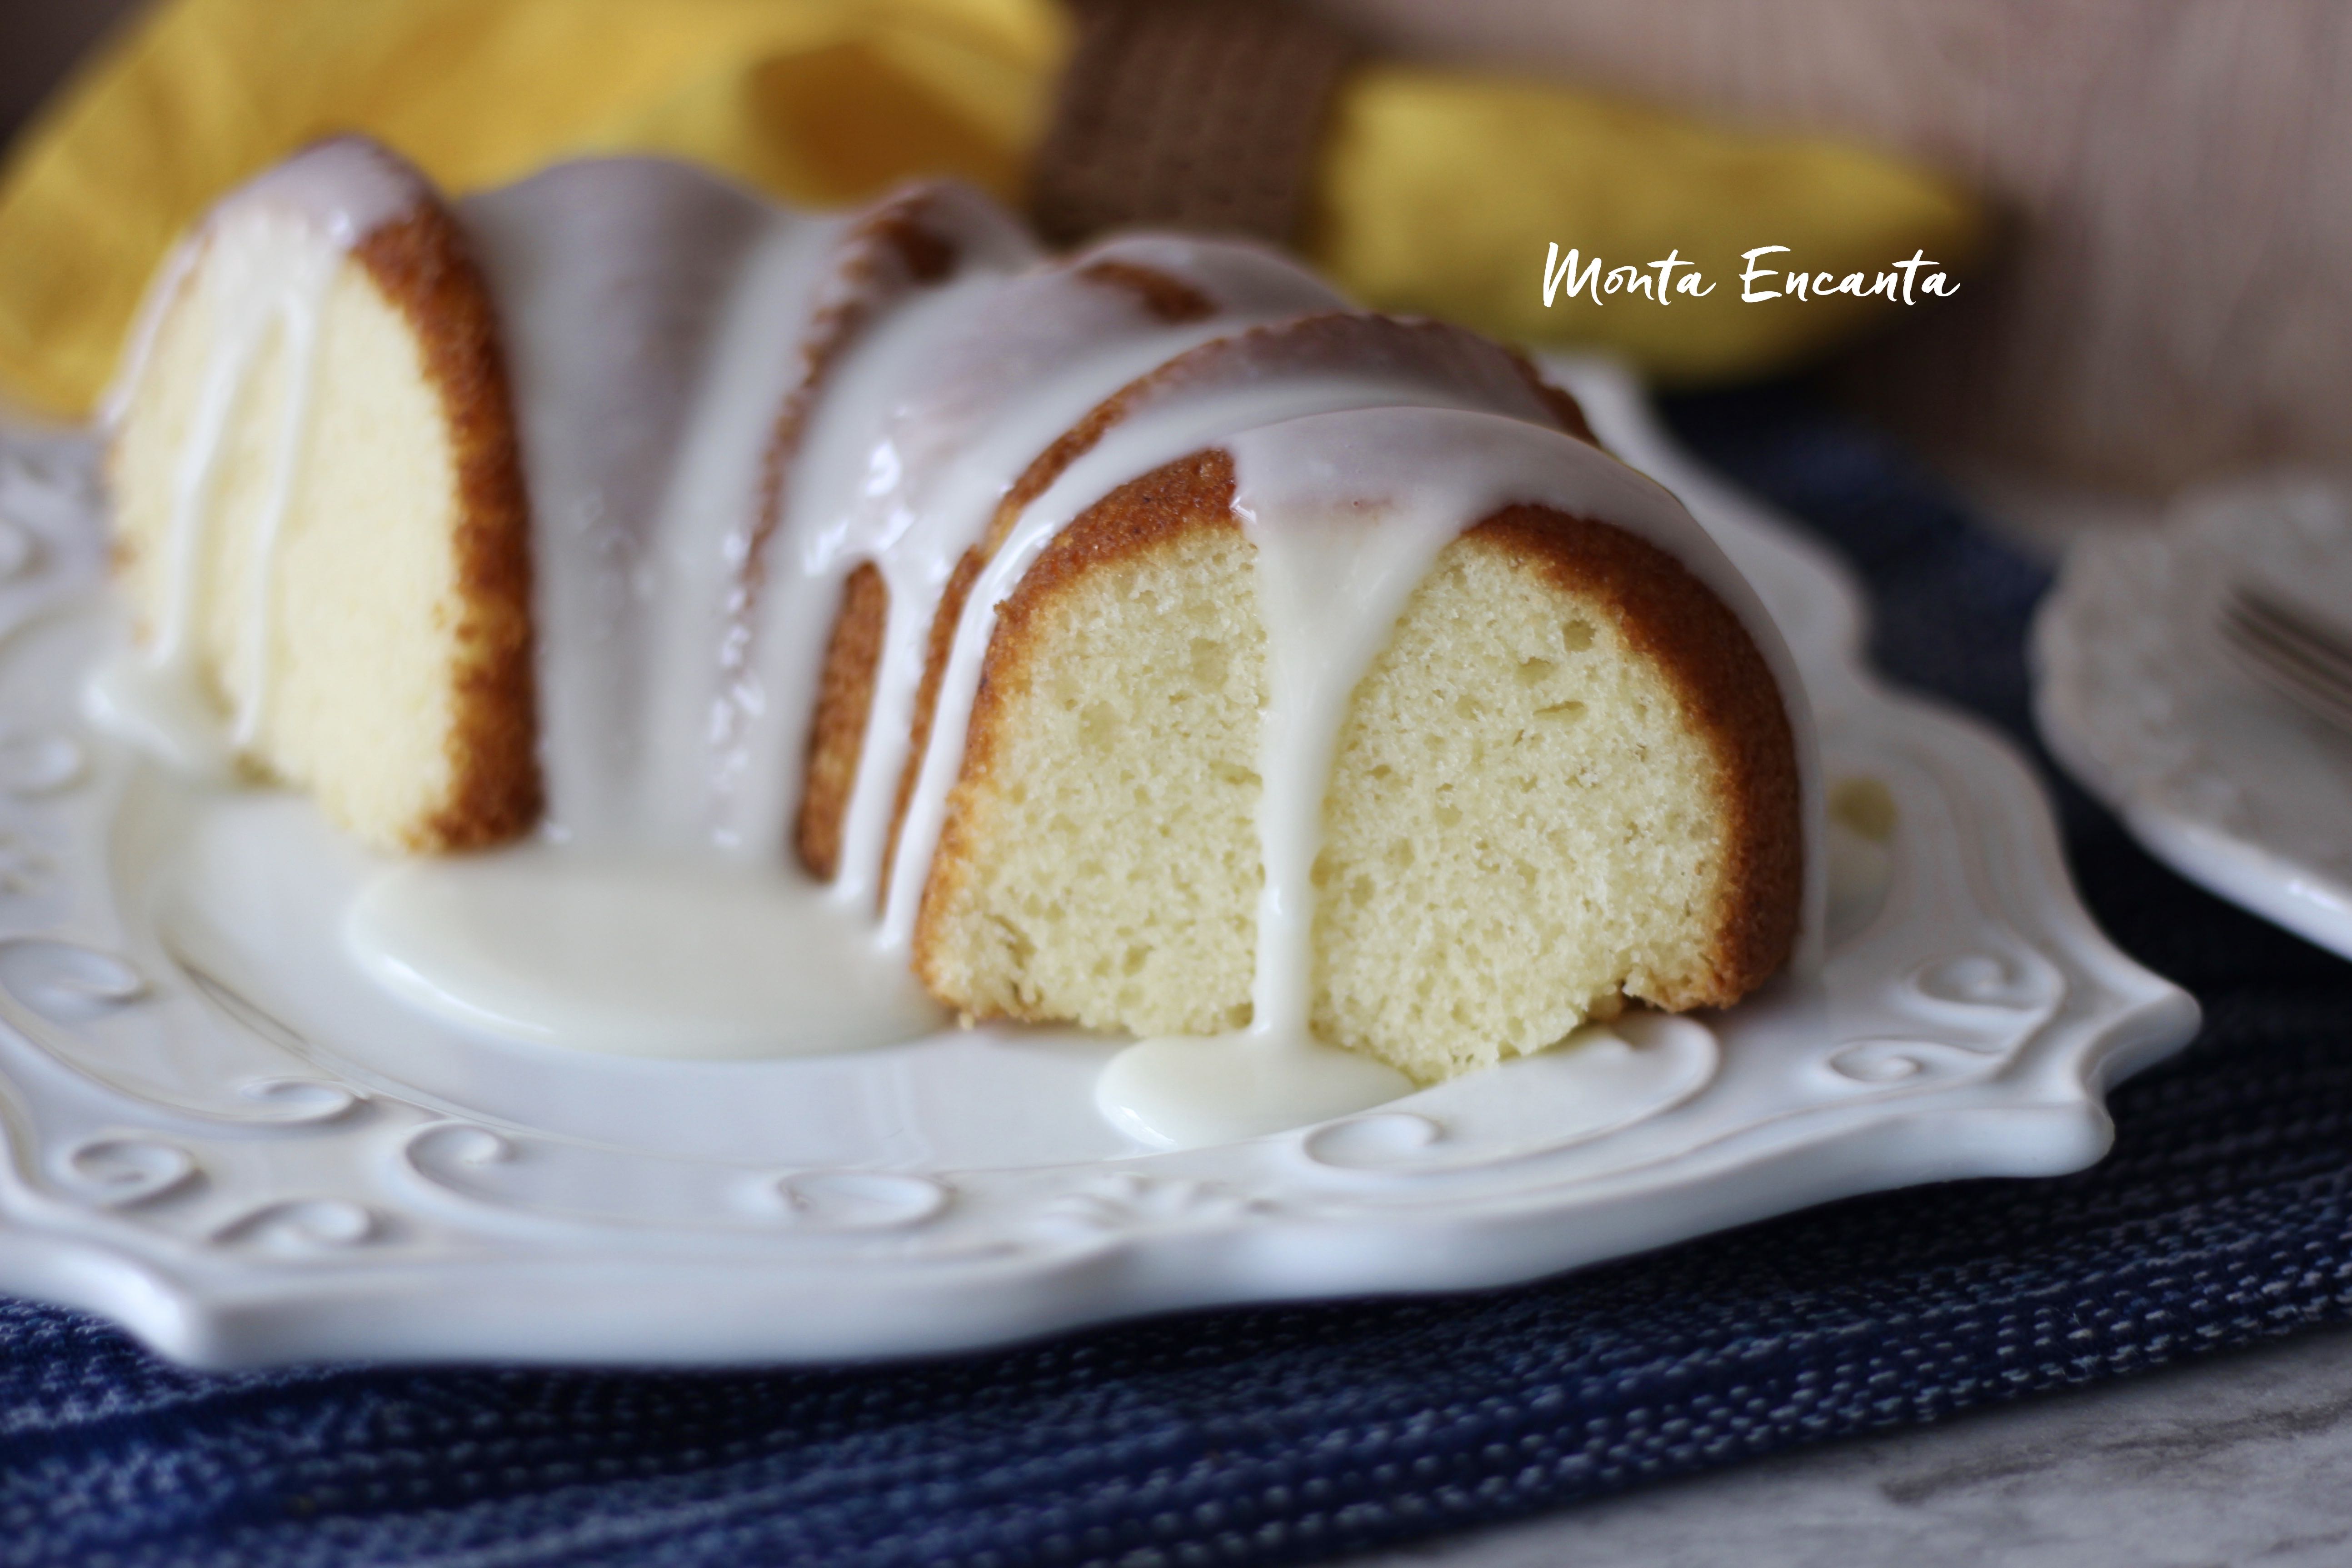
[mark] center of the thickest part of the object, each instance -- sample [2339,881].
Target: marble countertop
[2245,1458]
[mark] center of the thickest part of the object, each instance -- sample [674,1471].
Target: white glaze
[714,484]
[1178,1092]
[922,426]
[657,321]
[761,729]
[625,288]
[1338,551]
[652,955]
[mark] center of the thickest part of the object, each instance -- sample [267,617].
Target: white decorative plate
[2232,786]
[213,1137]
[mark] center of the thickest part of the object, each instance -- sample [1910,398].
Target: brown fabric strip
[1192,115]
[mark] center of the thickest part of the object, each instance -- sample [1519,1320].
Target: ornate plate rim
[292,1276]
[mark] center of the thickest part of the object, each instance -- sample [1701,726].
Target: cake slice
[1568,781]
[320,524]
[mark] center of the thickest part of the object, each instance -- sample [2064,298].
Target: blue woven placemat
[1290,1434]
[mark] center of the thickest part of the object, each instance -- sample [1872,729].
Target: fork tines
[2296,656]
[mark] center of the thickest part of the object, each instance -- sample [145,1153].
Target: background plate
[2232,786]
[213,1139]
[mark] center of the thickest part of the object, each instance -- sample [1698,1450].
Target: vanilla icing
[692,543]
[644,955]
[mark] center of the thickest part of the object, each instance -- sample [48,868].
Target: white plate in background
[2232,785]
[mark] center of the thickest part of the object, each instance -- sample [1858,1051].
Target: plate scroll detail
[519,1180]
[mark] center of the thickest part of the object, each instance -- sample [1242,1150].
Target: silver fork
[2303,659]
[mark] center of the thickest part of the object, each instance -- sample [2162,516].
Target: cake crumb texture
[1098,862]
[1568,782]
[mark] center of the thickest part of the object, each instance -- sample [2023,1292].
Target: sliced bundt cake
[1153,643]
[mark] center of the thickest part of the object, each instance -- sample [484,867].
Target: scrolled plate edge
[356,1260]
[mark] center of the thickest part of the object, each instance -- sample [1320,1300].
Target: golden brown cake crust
[425,269]
[1564,407]
[1728,693]
[1667,615]
[838,734]
[1165,295]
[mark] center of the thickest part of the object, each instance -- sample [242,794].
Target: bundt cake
[1137,638]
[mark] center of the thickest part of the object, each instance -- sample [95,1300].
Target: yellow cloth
[1438,192]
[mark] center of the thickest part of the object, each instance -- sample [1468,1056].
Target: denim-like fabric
[1290,1434]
